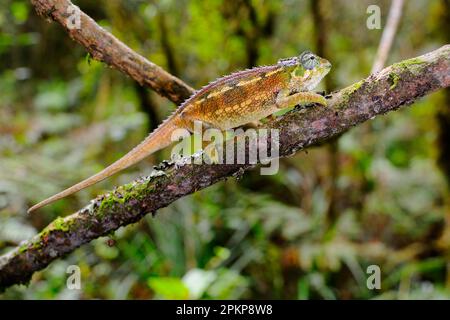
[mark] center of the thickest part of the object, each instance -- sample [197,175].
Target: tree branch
[104,47]
[398,85]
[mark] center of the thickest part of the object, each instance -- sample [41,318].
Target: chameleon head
[306,71]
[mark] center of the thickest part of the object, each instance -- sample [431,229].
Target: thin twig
[393,20]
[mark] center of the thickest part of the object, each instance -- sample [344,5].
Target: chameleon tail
[158,139]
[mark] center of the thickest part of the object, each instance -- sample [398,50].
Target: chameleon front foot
[301,98]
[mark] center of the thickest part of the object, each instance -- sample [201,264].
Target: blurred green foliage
[64,116]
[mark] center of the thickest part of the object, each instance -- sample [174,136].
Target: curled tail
[157,140]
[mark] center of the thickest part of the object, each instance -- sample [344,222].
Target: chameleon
[232,101]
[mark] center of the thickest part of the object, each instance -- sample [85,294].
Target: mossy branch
[104,47]
[395,86]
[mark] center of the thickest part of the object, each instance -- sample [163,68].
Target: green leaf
[169,288]
[20,11]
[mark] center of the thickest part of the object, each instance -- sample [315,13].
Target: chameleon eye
[308,60]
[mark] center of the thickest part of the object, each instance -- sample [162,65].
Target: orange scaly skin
[226,103]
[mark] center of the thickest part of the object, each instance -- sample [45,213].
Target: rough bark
[395,86]
[104,47]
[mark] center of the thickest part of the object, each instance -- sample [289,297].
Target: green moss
[402,66]
[60,224]
[45,232]
[124,194]
[347,92]
[107,204]
[354,87]
[393,79]
[407,63]
[37,245]
[23,248]
[357,85]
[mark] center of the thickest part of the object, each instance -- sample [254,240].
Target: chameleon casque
[229,102]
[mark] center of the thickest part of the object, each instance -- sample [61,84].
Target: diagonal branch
[104,47]
[398,85]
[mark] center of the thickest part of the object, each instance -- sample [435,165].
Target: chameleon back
[235,100]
